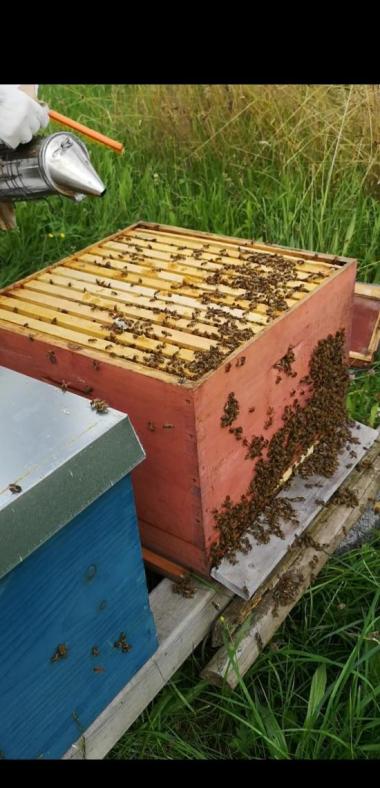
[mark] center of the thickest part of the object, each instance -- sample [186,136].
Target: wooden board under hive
[166,324]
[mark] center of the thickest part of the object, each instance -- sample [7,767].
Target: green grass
[295,165]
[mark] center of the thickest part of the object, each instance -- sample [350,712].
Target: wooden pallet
[183,623]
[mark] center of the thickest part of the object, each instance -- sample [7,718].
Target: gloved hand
[21,116]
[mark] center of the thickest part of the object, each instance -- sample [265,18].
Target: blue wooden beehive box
[75,621]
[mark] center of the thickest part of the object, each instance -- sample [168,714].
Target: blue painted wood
[81,589]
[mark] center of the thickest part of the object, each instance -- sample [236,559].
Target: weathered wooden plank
[181,624]
[245,577]
[233,660]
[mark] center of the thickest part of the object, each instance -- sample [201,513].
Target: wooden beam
[162,566]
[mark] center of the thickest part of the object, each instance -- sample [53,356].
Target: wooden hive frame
[58,325]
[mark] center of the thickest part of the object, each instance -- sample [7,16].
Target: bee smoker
[57,164]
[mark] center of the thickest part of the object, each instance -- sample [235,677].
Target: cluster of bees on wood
[321,422]
[286,590]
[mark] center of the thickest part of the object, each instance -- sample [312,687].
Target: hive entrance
[173,301]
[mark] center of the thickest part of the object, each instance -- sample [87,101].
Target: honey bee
[52,357]
[61,652]
[99,405]
[184,587]
[121,643]
[15,488]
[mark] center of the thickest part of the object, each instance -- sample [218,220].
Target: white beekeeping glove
[21,116]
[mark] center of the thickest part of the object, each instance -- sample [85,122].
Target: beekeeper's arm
[21,117]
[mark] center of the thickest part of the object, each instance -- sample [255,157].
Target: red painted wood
[223,470]
[179,550]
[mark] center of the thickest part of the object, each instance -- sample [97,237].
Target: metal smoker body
[57,164]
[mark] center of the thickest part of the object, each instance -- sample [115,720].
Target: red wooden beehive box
[164,324]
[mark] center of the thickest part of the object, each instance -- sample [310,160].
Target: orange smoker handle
[94,135]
